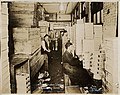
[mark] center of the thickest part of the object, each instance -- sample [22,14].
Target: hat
[46,36]
[68,44]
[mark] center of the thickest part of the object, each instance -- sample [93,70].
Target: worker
[73,67]
[45,51]
[45,45]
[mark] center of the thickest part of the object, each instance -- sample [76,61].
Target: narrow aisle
[55,70]
[55,67]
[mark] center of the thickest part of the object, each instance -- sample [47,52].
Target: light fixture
[61,6]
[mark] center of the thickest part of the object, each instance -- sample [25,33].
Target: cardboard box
[86,44]
[88,30]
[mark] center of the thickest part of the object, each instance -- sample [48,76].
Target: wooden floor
[55,67]
[68,90]
[72,89]
[56,74]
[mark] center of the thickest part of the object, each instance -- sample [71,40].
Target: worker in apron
[45,50]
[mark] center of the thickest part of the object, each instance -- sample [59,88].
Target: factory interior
[59,47]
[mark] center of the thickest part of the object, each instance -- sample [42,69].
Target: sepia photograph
[59,47]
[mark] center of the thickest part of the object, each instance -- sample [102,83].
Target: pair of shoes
[46,74]
[95,90]
[48,79]
[41,75]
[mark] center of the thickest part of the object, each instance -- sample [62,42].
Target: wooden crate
[4,19]
[80,29]
[21,20]
[4,8]
[21,14]
[79,21]
[88,30]
[79,36]
[26,40]
[44,29]
[97,43]
[68,28]
[79,46]
[5,79]
[98,66]
[4,43]
[19,4]
[4,31]
[86,44]
[5,63]
[21,9]
[6,86]
[4,55]
[88,61]
[91,61]
[43,23]
[111,63]
[26,47]
[5,72]
[97,31]
[23,83]
[26,33]
[72,34]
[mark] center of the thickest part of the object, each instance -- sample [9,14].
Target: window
[97,12]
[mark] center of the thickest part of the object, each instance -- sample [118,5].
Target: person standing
[45,45]
[45,51]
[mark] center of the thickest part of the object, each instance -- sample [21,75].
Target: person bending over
[73,67]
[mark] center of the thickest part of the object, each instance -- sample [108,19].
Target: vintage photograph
[59,47]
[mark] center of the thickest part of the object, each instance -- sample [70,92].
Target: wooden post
[89,15]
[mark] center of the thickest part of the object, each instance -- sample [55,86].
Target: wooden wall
[4,49]
[109,25]
[21,14]
[0,54]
